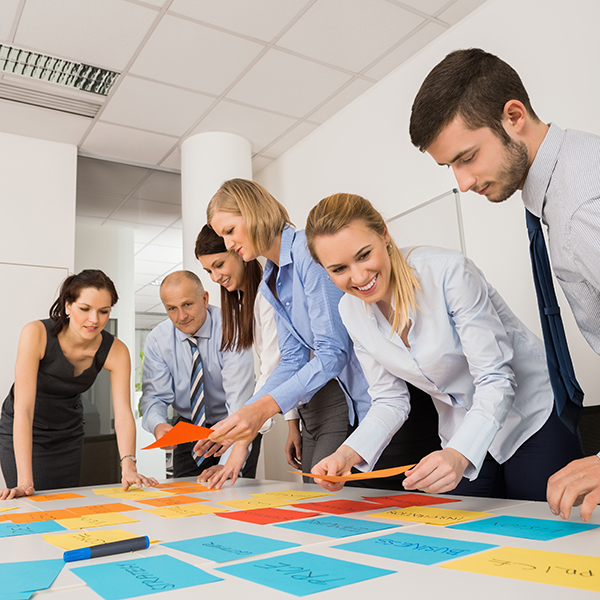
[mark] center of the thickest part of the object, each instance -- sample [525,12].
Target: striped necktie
[568,395]
[196,391]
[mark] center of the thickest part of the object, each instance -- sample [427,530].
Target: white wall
[366,149]
[37,231]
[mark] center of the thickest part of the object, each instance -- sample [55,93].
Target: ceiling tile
[155,106]
[170,237]
[411,46]
[262,19]
[140,305]
[150,267]
[157,3]
[258,126]
[93,203]
[148,292]
[127,144]
[142,279]
[460,9]
[193,56]
[287,84]
[137,247]
[42,123]
[161,254]
[161,187]
[430,7]
[88,220]
[108,176]
[8,12]
[259,163]
[291,139]
[173,161]
[178,224]
[343,33]
[142,234]
[352,91]
[147,212]
[103,33]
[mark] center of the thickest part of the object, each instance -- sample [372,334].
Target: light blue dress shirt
[228,376]
[313,341]
[485,371]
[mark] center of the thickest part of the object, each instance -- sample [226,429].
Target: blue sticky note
[229,546]
[16,596]
[138,577]
[302,573]
[336,527]
[12,529]
[30,575]
[523,527]
[421,549]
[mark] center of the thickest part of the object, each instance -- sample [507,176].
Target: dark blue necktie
[198,415]
[568,395]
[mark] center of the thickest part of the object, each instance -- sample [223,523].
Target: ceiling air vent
[56,70]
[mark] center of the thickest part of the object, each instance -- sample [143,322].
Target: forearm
[23,447]
[126,434]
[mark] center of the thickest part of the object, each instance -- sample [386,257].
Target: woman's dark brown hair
[71,290]
[237,307]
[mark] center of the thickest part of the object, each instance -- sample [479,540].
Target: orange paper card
[34,517]
[172,501]
[370,475]
[180,434]
[266,516]
[199,488]
[99,509]
[48,497]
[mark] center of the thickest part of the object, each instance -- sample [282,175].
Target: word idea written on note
[539,566]
[335,527]
[303,573]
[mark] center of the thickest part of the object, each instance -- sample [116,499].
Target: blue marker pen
[130,545]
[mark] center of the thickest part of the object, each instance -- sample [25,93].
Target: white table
[410,581]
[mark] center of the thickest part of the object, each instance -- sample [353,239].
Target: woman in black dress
[41,428]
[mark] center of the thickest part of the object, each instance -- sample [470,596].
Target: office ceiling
[269,70]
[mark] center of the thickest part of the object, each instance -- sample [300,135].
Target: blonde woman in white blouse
[429,317]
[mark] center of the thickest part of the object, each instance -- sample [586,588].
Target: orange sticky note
[99,509]
[180,434]
[172,501]
[48,497]
[370,475]
[34,517]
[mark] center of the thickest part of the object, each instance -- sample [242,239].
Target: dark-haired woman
[41,428]
[248,321]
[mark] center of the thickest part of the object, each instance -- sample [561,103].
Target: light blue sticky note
[12,529]
[16,596]
[30,575]
[421,549]
[302,573]
[229,546]
[336,527]
[138,577]
[523,527]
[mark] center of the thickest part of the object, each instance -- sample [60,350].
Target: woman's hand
[338,463]
[437,473]
[217,475]
[25,489]
[130,476]
[293,445]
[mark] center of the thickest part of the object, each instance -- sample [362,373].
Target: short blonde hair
[338,211]
[265,218]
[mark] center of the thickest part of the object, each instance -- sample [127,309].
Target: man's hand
[437,473]
[576,484]
[160,430]
[219,474]
[209,448]
[293,445]
[245,423]
[338,463]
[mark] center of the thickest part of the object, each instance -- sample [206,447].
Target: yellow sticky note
[96,521]
[252,503]
[184,510]
[84,539]
[292,495]
[114,490]
[430,515]
[539,566]
[11,508]
[139,495]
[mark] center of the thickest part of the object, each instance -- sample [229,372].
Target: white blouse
[485,371]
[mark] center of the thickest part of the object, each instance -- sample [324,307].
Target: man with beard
[473,114]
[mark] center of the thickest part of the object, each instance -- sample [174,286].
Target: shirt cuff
[369,440]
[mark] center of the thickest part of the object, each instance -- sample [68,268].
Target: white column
[207,160]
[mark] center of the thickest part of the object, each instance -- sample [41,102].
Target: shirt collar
[540,172]
[203,332]
[287,240]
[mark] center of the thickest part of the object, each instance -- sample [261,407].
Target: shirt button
[287,303]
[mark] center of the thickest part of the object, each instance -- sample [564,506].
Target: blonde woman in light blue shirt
[428,317]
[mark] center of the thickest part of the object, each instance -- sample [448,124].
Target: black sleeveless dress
[57,419]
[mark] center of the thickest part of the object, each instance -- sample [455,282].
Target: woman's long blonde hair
[338,211]
[265,218]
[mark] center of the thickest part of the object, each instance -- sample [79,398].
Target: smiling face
[185,307]
[357,261]
[89,314]
[226,269]
[481,161]
[232,228]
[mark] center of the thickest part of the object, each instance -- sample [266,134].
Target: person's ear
[514,116]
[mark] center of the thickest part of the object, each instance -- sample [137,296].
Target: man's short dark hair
[472,84]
